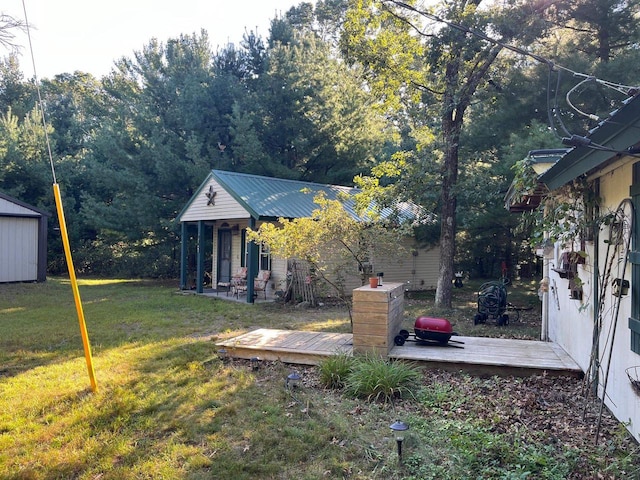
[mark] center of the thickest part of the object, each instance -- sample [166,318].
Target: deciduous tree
[435,63]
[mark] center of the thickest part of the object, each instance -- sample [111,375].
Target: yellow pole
[74,287]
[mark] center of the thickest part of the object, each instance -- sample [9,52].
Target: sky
[89,35]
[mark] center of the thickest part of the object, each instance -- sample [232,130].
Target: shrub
[334,370]
[375,378]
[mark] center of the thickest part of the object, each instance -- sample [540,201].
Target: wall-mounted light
[620,287]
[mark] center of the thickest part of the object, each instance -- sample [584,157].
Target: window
[265,257]
[264,254]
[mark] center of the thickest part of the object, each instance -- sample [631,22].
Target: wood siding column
[377,317]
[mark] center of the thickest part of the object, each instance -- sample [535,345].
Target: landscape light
[398,429]
[293,381]
[255,363]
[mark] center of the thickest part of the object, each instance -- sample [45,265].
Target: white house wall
[571,321]
[620,397]
[18,249]
[417,271]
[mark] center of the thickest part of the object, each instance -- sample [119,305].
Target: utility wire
[513,48]
[37,82]
[571,139]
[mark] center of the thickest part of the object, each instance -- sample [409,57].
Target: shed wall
[18,249]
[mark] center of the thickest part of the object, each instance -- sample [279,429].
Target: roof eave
[618,133]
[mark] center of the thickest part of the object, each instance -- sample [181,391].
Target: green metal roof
[618,133]
[517,201]
[267,197]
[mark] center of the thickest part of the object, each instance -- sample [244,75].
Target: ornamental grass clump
[377,379]
[335,370]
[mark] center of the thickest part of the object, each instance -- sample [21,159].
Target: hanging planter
[569,261]
[634,377]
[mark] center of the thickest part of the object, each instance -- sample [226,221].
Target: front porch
[230,296]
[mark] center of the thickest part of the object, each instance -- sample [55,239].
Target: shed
[23,241]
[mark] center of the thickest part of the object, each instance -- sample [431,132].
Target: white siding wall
[417,271]
[18,249]
[620,397]
[225,206]
[12,209]
[571,321]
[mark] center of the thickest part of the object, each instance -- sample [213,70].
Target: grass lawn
[168,408]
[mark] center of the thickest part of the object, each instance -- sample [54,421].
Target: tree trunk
[452,115]
[444,287]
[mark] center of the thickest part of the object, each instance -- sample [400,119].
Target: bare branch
[8,28]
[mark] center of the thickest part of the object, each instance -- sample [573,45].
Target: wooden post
[377,317]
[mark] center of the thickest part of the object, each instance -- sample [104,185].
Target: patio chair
[261,282]
[238,278]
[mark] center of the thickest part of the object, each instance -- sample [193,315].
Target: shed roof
[619,134]
[12,207]
[272,198]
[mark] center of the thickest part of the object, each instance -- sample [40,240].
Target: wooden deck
[493,356]
[289,346]
[480,355]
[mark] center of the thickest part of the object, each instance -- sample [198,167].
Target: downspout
[595,341]
[544,327]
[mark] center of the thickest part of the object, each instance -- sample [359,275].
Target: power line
[513,48]
[570,139]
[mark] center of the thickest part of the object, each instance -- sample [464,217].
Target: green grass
[168,407]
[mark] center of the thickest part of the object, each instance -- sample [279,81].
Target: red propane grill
[429,329]
[434,329]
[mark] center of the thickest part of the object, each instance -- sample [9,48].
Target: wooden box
[377,317]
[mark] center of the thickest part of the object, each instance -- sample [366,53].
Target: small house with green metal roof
[214,243]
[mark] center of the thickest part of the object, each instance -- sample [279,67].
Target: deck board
[480,354]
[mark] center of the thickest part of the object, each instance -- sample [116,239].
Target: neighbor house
[217,216]
[591,285]
[23,241]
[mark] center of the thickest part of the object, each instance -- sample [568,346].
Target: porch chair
[261,282]
[238,278]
